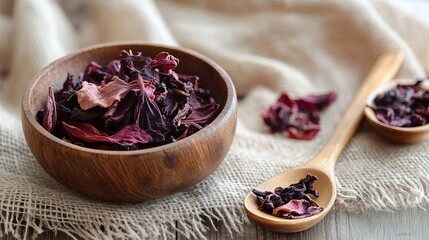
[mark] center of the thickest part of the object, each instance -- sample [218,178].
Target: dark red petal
[84,132]
[284,98]
[321,101]
[193,128]
[297,208]
[302,135]
[50,112]
[164,62]
[201,115]
[131,134]
[95,73]
[148,117]
[91,95]
[87,133]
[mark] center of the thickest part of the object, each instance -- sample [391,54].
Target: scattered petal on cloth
[302,47]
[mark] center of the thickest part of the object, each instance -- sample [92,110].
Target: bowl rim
[227,111]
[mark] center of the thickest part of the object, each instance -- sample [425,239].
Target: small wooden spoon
[395,134]
[322,165]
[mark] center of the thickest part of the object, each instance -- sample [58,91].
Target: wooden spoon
[395,134]
[322,165]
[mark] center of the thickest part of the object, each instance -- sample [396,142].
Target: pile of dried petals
[403,105]
[297,118]
[291,202]
[132,103]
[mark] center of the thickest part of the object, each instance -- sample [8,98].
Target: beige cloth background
[300,47]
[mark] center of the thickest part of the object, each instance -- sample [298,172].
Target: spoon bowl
[390,133]
[323,164]
[324,183]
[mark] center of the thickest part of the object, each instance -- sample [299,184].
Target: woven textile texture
[267,47]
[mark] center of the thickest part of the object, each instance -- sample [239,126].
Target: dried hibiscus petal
[201,115]
[296,209]
[297,118]
[120,112]
[50,112]
[316,102]
[130,65]
[164,62]
[87,133]
[193,128]
[67,90]
[133,102]
[290,202]
[95,73]
[403,105]
[91,95]
[148,116]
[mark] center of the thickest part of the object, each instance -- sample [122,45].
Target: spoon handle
[384,69]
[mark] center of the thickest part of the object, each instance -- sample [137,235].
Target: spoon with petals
[396,134]
[322,165]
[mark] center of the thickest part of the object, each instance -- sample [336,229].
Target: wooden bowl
[139,174]
[395,134]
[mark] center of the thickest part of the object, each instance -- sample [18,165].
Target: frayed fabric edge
[385,196]
[24,225]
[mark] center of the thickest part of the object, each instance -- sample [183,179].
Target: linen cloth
[301,47]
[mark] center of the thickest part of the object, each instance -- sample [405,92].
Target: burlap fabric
[267,47]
